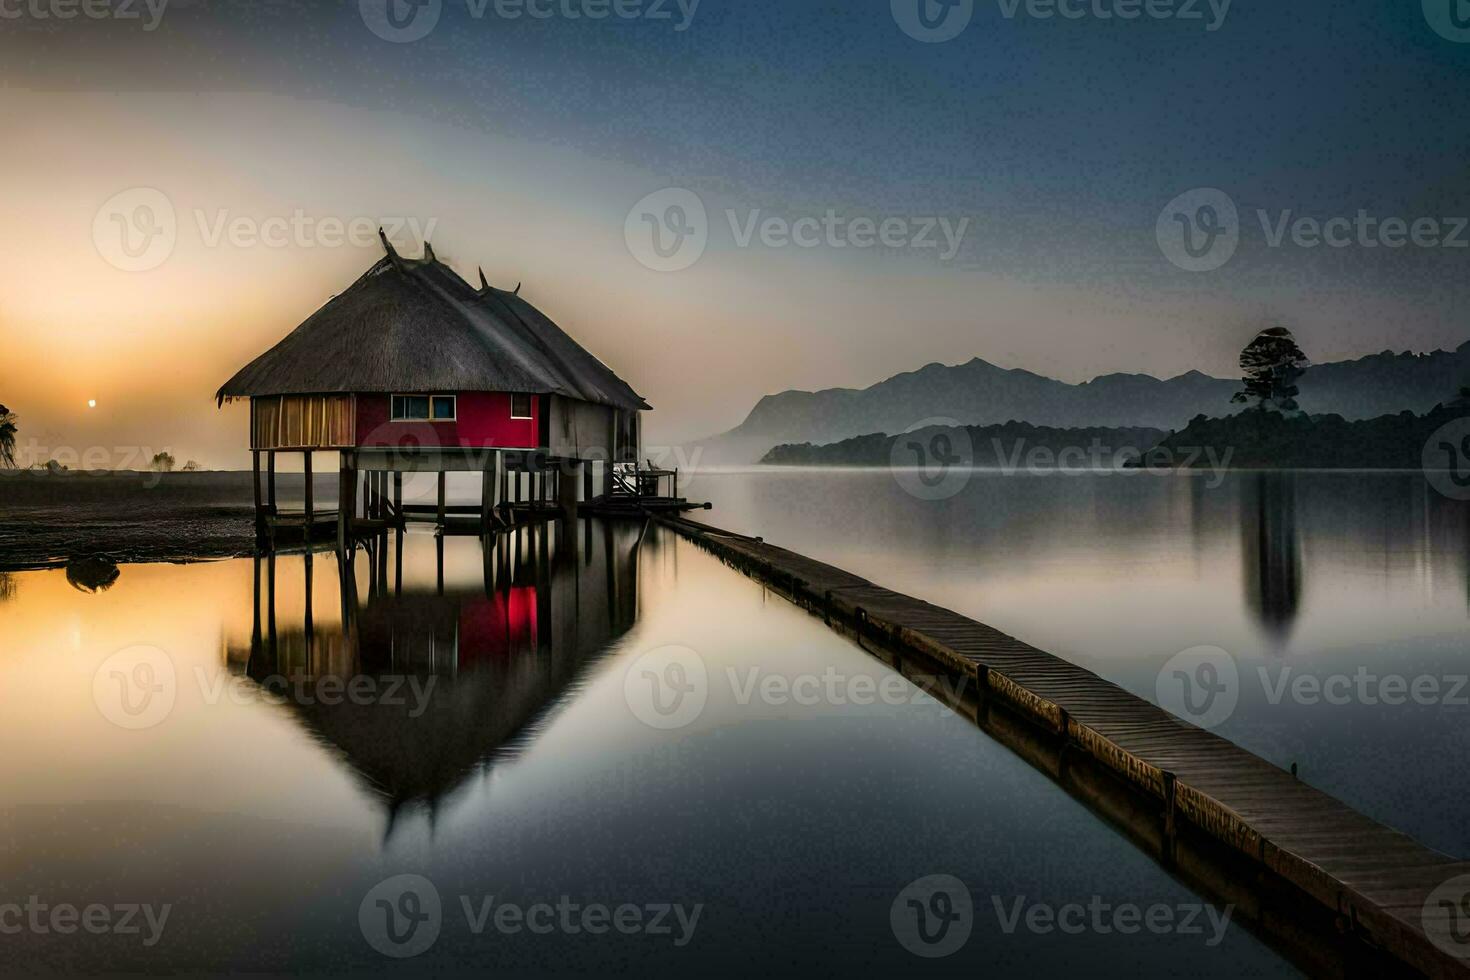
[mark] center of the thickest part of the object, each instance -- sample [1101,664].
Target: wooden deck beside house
[1374,882]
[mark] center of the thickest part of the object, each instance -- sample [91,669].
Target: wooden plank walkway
[1373,878]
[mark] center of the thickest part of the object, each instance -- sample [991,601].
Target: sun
[91,403]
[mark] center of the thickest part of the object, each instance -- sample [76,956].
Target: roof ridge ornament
[429,252]
[484,283]
[392,253]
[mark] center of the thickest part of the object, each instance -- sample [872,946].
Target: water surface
[1357,581]
[516,765]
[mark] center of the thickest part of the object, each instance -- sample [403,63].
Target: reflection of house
[473,670]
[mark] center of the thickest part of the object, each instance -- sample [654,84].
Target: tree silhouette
[1272,363]
[163,462]
[8,420]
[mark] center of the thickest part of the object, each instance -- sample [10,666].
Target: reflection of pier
[453,668]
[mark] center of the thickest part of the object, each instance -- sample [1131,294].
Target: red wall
[484,420]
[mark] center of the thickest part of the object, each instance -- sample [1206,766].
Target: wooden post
[255,485]
[398,496]
[566,489]
[310,510]
[346,500]
[487,492]
[398,561]
[270,481]
[587,487]
[442,482]
[439,562]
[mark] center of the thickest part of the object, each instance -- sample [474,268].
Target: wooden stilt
[398,497]
[566,489]
[270,482]
[255,486]
[398,561]
[439,561]
[346,495]
[487,494]
[310,509]
[443,481]
[310,624]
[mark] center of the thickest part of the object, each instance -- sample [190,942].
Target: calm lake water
[1332,594]
[496,725]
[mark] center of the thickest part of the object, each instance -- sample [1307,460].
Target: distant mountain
[1001,446]
[980,393]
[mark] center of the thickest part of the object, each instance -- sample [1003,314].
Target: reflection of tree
[95,573]
[7,586]
[1273,561]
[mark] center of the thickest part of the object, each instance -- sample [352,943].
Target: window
[423,408]
[520,406]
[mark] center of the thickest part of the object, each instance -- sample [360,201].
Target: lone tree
[7,437]
[1272,363]
[163,462]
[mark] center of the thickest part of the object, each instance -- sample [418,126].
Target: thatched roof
[415,326]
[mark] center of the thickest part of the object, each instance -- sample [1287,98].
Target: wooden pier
[1313,857]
